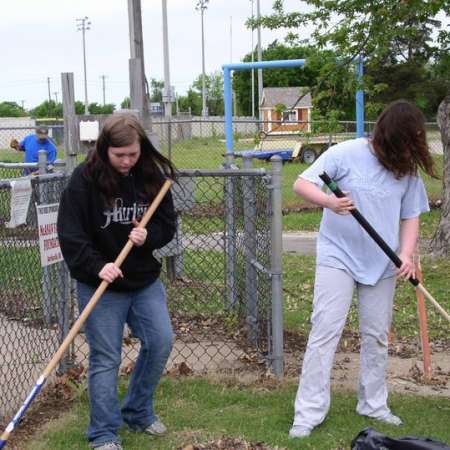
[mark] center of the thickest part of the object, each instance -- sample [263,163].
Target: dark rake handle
[366,225]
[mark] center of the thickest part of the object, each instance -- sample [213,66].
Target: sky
[40,41]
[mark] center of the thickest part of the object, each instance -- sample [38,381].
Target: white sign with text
[20,202]
[48,236]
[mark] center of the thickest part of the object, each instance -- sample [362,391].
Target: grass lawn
[207,153]
[298,284]
[201,410]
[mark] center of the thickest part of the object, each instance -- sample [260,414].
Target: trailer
[304,150]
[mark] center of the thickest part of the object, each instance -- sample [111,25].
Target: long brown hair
[121,130]
[400,142]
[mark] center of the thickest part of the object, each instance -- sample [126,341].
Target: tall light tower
[260,74]
[201,6]
[167,96]
[83,25]
[253,70]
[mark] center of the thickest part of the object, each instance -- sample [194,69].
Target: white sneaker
[108,446]
[391,419]
[299,432]
[157,428]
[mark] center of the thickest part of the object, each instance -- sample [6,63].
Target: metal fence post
[169,138]
[42,162]
[230,235]
[251,291]
[46,278]
[276,267]
[63,308]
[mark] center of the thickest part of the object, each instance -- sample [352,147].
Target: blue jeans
[145,312]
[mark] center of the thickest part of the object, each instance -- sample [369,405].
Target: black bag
[369,439]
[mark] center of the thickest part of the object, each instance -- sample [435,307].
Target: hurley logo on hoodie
[124,214]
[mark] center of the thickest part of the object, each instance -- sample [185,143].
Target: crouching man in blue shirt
[31,145]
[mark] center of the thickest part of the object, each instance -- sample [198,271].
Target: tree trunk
[440,244]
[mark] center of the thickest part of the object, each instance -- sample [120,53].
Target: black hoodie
[92,234]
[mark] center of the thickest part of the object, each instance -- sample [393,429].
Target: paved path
[300,243]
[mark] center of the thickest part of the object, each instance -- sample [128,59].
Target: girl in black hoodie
[99,211]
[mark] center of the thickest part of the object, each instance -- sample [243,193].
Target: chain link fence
[200,142]
[192,142]
[217,272]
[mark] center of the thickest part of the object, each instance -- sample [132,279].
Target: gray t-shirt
[381,198]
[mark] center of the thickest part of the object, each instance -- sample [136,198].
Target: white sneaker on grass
[157,428]
[108,446]
[391,419]
[299,432]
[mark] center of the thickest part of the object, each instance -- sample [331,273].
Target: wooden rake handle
[104,284]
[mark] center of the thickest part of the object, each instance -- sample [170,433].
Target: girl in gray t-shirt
[380,178]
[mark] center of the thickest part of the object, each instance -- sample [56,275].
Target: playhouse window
[289,116]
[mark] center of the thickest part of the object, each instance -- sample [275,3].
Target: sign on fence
[20,201]
[48,236]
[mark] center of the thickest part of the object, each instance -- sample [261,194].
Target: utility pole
[138,86]
[103,88]
[201,6]
[260,74]
[83,25]
[253,70]
[56,104]
[167,95]
[49,96]
[23,104]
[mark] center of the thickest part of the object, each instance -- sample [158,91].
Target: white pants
[333,291]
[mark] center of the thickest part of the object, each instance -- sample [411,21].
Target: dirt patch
[229,444]
[50,404]
[405,374]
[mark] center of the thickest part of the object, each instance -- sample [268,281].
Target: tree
[374,28]
[214,88]
[440,242]
[95,108]
[411,81]
[48,109]
[156,90]
[193,98]
[11,109]
[399,39]
[192,102]
[126,103]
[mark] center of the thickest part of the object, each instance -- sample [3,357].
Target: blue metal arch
[227,68]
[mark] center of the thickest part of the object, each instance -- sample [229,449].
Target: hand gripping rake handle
[80,321]
[381,243]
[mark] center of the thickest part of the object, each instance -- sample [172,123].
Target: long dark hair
[121,130]
[400,141]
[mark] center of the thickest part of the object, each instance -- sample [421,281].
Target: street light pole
[253,70]
[167,98]
[260,74]
[202,5]
[83,25]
